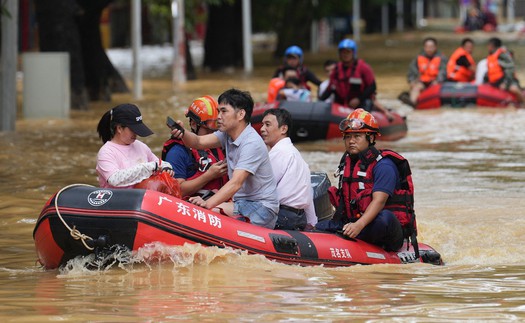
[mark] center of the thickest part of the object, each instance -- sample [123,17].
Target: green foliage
[159,8]
[3,10]
[160,11]
[267,14]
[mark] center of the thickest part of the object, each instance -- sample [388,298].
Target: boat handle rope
[77,235]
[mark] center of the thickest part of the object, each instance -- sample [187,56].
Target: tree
[223,42]
[73,27]
[291,20]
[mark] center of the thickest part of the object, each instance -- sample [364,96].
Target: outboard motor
[320,185]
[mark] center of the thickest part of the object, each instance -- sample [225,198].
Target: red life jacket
[428,68]
[349,82]
[355,188]
[203,161]
[494,70]
[460,73]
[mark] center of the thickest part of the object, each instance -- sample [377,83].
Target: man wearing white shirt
[291,173]
[481,71]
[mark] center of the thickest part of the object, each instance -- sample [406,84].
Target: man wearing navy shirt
[374,200]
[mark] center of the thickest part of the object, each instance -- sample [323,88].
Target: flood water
[469,172]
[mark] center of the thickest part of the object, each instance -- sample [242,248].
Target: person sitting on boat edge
[291,173]
[124,161]
[375,198]
[352,82]
[501,70]
[461,67]
[198,171]
[293,57]
[251,183]
[428,68]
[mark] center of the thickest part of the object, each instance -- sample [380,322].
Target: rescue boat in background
[461,95]
[83,220]
[320,120]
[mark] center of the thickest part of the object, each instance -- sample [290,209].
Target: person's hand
[197,200]
[354,103]
[218,169]
[309,227]
[169,171]
[166,167]
[352,230]
[178,130]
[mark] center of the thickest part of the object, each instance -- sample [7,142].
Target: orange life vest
[273,88]
[428,68]
[494,70]
[460,73]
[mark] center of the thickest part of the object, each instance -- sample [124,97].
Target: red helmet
[204,112]
[359,121]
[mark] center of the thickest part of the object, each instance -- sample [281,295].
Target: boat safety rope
[77,235]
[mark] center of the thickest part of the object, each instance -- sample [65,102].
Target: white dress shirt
[481,70]
[292,176]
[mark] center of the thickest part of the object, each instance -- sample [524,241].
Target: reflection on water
[469,171]
[234,286]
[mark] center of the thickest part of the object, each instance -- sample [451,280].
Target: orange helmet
[359,121]
[204,112]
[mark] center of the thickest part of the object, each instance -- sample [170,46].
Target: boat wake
[150,255]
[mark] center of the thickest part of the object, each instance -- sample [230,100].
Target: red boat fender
[430,98]
[489,96]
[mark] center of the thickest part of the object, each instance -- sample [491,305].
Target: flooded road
[469,172]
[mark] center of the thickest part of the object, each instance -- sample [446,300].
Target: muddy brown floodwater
[469,171]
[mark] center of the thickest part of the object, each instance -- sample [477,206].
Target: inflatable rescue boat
[460,95]
[81,220]
[320,120]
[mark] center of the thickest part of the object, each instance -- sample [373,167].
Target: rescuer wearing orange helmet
[374,200]
[198,171]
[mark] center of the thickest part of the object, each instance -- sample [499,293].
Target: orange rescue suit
[495,71]
[428,68]
[460,73]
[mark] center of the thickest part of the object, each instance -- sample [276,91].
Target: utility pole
[400,18]
[247,35]
[136,45]
[179,43]
[356,19]
[510,11]
[8,65]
